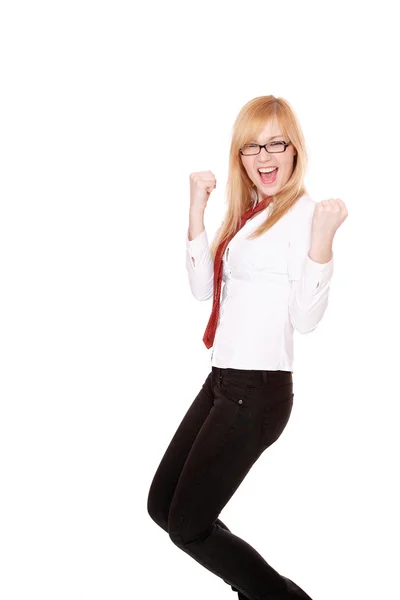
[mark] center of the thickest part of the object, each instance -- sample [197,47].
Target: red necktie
[211,328]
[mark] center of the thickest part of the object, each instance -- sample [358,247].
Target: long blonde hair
[240,192]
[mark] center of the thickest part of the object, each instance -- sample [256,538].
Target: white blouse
[270,288]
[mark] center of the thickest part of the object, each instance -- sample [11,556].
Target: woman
[274,253]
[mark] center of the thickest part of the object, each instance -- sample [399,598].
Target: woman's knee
[187,527]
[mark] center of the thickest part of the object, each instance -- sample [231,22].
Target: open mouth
[269,177]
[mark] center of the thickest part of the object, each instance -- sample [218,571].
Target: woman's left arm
[309,294]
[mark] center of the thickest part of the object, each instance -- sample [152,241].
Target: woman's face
[282,160]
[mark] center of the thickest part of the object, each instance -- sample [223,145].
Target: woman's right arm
[199,265]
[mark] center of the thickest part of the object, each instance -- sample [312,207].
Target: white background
[106,108]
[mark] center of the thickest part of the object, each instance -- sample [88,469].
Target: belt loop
[265,376]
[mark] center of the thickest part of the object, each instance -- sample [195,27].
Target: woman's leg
[169,470]
[232,438]
[217,442]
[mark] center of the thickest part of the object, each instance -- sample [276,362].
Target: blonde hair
[240,192]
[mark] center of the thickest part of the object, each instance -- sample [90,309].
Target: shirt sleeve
[200,266]
[310,280]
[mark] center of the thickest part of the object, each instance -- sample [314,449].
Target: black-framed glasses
[271,147]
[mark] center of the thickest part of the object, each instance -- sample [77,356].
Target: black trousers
[236,415]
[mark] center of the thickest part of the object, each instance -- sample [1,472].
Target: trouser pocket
[232,387]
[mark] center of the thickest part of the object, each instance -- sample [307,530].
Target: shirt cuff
[198,242]
[318,273]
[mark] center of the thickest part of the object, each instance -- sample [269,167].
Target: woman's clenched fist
[327,218]
[201,186]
